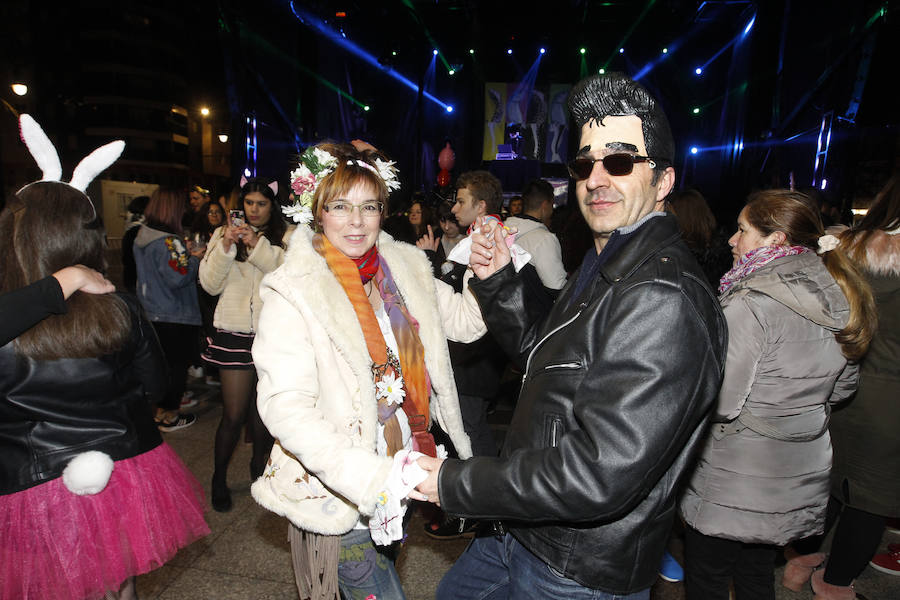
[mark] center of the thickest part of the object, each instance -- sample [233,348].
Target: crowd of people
[675,381]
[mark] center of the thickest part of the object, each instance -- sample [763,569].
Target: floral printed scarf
[756,259]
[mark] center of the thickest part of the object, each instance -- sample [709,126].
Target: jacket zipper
[544,339]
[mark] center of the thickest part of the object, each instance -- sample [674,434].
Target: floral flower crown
[315,165]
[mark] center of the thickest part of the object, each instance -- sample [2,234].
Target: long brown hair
[695,220]
[48,226]
[883,215]
[796,216]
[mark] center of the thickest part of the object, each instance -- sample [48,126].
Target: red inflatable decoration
[447,158]
[443,178]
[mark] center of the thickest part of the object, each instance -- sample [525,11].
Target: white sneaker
[188,400]
[195,372]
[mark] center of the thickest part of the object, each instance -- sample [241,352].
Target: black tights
[855,541]
[239,402]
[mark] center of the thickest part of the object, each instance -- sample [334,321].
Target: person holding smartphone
[251,244]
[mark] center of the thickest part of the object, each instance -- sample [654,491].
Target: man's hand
[429,487]
[79,277]
[489,251]
[428,241]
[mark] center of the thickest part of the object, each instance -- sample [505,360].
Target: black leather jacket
[617,389]
[52,410]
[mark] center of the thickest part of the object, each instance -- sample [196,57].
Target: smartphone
[236,216]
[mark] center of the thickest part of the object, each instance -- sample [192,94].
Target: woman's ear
[778,238]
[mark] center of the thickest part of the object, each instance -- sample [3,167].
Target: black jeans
[711,563]
[178,342]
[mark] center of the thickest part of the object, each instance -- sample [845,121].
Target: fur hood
[882,249]
[883,253]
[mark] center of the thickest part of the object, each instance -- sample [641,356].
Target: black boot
[220,495]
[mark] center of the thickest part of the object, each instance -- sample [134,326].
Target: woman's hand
[230,236]
[79,277]
[248,236]
[428,489]
[428,241]
[489,250]
[195,249]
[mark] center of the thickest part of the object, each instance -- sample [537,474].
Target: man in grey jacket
[534,237]
[619,377]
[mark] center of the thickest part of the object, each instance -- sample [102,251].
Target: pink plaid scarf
[756,259]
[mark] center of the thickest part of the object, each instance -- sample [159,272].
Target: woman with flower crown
[353,366]
[800,317]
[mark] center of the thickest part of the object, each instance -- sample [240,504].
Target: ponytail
[795,215]
[855,337]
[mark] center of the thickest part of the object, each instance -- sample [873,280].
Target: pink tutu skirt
[56,544]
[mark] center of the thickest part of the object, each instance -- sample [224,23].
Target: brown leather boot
[799,568]
[826,591]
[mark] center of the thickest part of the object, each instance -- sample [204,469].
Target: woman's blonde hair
[797,217]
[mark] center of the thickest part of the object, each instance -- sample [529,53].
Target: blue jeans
[494,568]
[363,570]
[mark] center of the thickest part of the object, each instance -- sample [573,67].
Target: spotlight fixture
[696,110]
[543,50]
[19,89]
[393,53]
[449,108]
[509,50]
[583,50]
[435,52]
[204,111]
[602,71]
[621,50]
[223,137]
[694,149]
[366,107]
[451,72]
[665,50]
[471,50]
[247,172]
[698,71]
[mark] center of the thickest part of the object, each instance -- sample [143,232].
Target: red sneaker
[889,562]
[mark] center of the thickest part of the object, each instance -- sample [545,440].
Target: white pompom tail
[88,473]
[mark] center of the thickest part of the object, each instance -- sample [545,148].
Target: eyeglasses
[617,164]
[340,209]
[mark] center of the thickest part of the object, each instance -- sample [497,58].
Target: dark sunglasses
[615,164]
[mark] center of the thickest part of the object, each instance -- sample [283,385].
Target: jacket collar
[644,239]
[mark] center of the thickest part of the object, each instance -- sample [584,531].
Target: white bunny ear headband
[46,157]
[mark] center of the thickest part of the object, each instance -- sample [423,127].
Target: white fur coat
[316,392]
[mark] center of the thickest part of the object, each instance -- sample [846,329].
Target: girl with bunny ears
[90,496]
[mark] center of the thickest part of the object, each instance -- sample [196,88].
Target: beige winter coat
[237,282]
[316,392]
[785,366]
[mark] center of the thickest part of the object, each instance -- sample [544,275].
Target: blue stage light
[698,71]
[435,52]
[320,27]
[665,50]
[621,50]
[694,149]
[543,50]
[749,25]
[509,50]
[449,108]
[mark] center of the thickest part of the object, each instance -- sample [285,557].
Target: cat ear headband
[272,186]
[46,157]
